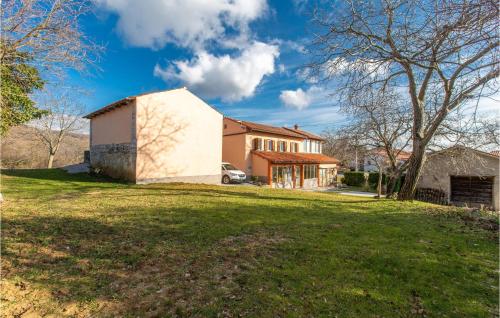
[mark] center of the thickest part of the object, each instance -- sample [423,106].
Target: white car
[232,174]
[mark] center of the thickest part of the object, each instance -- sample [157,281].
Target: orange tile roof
[495,153]
[305,134]
[401,154]
[267,128]
[295,157]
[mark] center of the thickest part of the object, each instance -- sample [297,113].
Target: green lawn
[79,246]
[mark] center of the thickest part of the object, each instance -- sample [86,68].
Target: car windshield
[229,167]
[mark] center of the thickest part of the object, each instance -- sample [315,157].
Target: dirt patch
[176,282]
[181,284]
[474,218]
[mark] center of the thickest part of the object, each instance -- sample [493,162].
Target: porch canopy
[284,158]
[296,162]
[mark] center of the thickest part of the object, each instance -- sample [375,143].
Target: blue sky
[242,57]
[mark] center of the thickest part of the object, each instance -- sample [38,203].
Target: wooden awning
[296,157]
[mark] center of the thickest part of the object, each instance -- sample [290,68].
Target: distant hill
[21,148]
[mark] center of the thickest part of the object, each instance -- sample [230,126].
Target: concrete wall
[260,167]
[234,151]
[112,142]
[114,127]
[178,138]
[232,127]
[439,167]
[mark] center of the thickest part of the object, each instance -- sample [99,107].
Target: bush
[373,178]
[354,178]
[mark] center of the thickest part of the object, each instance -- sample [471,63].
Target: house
[168,136]
[375,155]
[464,176]
[281,157]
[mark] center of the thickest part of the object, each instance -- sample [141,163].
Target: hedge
[354,178]
[373,178]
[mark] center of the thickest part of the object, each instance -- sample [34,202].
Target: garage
[472,190]
[461,176]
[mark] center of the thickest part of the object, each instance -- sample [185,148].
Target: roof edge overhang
[110,107]
[298,160]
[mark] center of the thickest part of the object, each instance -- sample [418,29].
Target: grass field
[79,246]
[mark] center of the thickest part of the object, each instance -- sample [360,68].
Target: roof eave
[109,107]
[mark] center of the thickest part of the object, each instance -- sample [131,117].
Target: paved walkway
[358,194]
[78,168]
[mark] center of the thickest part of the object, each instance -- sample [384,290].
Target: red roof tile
[401,154]
[267,129]
[495,153]
[295,157]
[305,134]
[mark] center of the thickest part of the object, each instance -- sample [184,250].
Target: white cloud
[300,99]
[187,23]
[282,68]
[231,78]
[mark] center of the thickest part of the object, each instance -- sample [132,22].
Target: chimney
[295,126]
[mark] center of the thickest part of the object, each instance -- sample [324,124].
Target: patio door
[282,177]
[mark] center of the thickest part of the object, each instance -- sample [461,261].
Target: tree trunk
[51,160]
[391,184]
[379,184]
[356,160]
[392,180]
[413,172]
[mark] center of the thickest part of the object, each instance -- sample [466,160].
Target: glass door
[297,176]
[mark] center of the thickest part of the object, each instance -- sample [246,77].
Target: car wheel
[226,180]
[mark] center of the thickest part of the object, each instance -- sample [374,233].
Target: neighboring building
[380,155]
[464,176]
[281,157]
[169,136]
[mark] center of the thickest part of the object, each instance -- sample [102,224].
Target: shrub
[354,178]
[373,178]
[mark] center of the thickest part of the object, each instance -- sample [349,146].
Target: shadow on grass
[195,261]
[57,174]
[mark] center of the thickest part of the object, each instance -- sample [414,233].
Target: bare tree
[382,164]
[380,120]
[63,117]
[345,145]
[49,32]
[443,52]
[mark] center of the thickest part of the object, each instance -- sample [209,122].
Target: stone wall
[115,160]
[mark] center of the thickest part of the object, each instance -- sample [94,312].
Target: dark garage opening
[472,191]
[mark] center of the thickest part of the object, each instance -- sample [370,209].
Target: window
[282,146]
[294,147]
[310,171]
[304,146]
[282,175]
[270,145]
[225,126]
[257,144]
